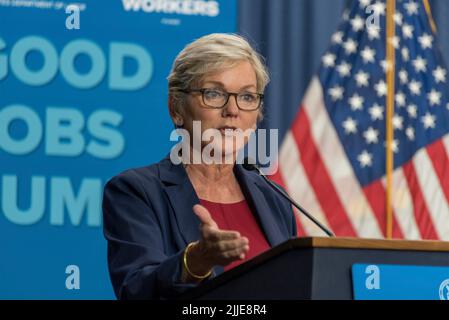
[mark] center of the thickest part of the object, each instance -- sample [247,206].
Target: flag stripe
[402,203]
[299,186]
[337,165]
[375,194]
[319,178]
[445,141]
[438,156]
[420,210]
[433,195]
[277,177]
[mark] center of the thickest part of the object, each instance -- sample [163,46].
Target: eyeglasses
[217,98]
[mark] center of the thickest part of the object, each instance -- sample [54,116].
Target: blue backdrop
[77,106]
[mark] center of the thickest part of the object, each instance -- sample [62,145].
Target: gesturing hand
[216,247]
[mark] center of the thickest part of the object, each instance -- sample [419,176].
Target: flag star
[371,135]
[394,145]
[412,111]
[403,76]
[415,87]
[428,121]
[386,65]
[447,106]
[398,122]
[350,46]
[376,112]
[412,8]
[398,18]
[381,88]
[410,133]
[345,15]
[434,97]
[336,93]
[395,41]
[368,55]
[407,31]
[357,23]
[350,126]
[425,41]
[400,99]
[356,102]
[373,33]
[420,64]
[344,69]
[405,54]
[439,74]
[362,79]
[364,3]
[365,159]
[329,60]
[337,37]
[379,8]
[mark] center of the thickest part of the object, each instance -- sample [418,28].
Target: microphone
[250,165]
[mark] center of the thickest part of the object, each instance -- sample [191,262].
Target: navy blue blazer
[148,221]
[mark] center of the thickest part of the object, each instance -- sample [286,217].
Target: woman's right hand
[216,247]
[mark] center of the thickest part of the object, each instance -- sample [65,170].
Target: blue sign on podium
[400,282]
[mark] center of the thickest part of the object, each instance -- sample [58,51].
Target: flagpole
[432,23]
[390,74]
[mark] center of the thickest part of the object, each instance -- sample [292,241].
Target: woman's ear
[260,117]
[171,108]
[176,117]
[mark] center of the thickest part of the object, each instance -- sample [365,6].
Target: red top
[238,217]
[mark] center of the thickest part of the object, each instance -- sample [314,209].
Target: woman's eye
[213,94]
[248,97]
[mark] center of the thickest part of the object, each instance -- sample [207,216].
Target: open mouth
[229,131]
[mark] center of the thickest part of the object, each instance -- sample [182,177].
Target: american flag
[332,160]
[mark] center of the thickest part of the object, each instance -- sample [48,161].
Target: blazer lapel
[254,194]
[182,198]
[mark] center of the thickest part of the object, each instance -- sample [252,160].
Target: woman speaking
[172,225]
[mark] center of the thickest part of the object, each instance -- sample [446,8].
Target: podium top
[360,243]
[417,249]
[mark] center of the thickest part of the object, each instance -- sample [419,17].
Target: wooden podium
[315,268]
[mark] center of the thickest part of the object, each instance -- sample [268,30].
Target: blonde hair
[209,54]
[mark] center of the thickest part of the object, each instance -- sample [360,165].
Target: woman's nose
[231,107]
